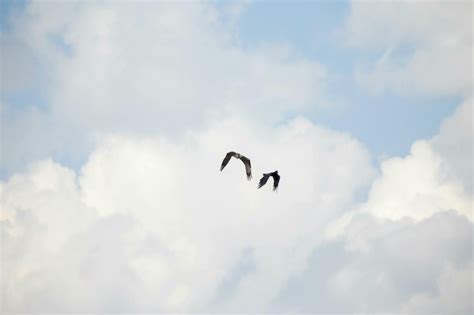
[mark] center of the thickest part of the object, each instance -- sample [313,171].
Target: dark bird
[244,159]
[276,180]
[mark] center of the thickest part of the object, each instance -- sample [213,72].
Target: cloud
[455,143]
[427,47]
[436,176]
[176,66]
[152,225]
[146,100]
[453,293]
[404,266]
[153,68]
[408,248]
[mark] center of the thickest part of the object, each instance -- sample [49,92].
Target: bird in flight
[276,180]
[244,159]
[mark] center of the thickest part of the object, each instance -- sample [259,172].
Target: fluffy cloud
[436,175]
[151,98]
[148,68]
[152,225]
[380,265]
[427,45]
[408,248]
[453,293]
[176,64]
[455,143]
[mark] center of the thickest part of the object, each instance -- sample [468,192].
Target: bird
[276,180]
[245,160]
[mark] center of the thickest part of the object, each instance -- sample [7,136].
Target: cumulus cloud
[436,175]
[154,67]
[426,46]
[152,225]
[151,97]
[381,265]
[408,248]
[455,143]
[453,293]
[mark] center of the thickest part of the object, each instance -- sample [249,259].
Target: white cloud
[163,61]
[408,248]
[151,68]
[404,266]
[436,176]
[152,225]
[416,187]
[453,294]
[427,45]
[455,143]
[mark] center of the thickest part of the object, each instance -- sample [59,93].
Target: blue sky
[115,118]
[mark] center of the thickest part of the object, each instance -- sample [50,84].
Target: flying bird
[248,168]
[276,180]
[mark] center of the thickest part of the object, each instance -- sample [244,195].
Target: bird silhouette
[245,160]
[264,179]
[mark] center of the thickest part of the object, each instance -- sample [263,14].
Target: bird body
[266,176]
[245,160]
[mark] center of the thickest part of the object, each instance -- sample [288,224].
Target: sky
[115,118]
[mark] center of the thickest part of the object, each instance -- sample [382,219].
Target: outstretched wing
[263,180]
[248,167]
[276,180]
[227,159]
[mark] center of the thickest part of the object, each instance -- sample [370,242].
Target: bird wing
[248,167]
[276,180]
[227,159]
[263,180]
